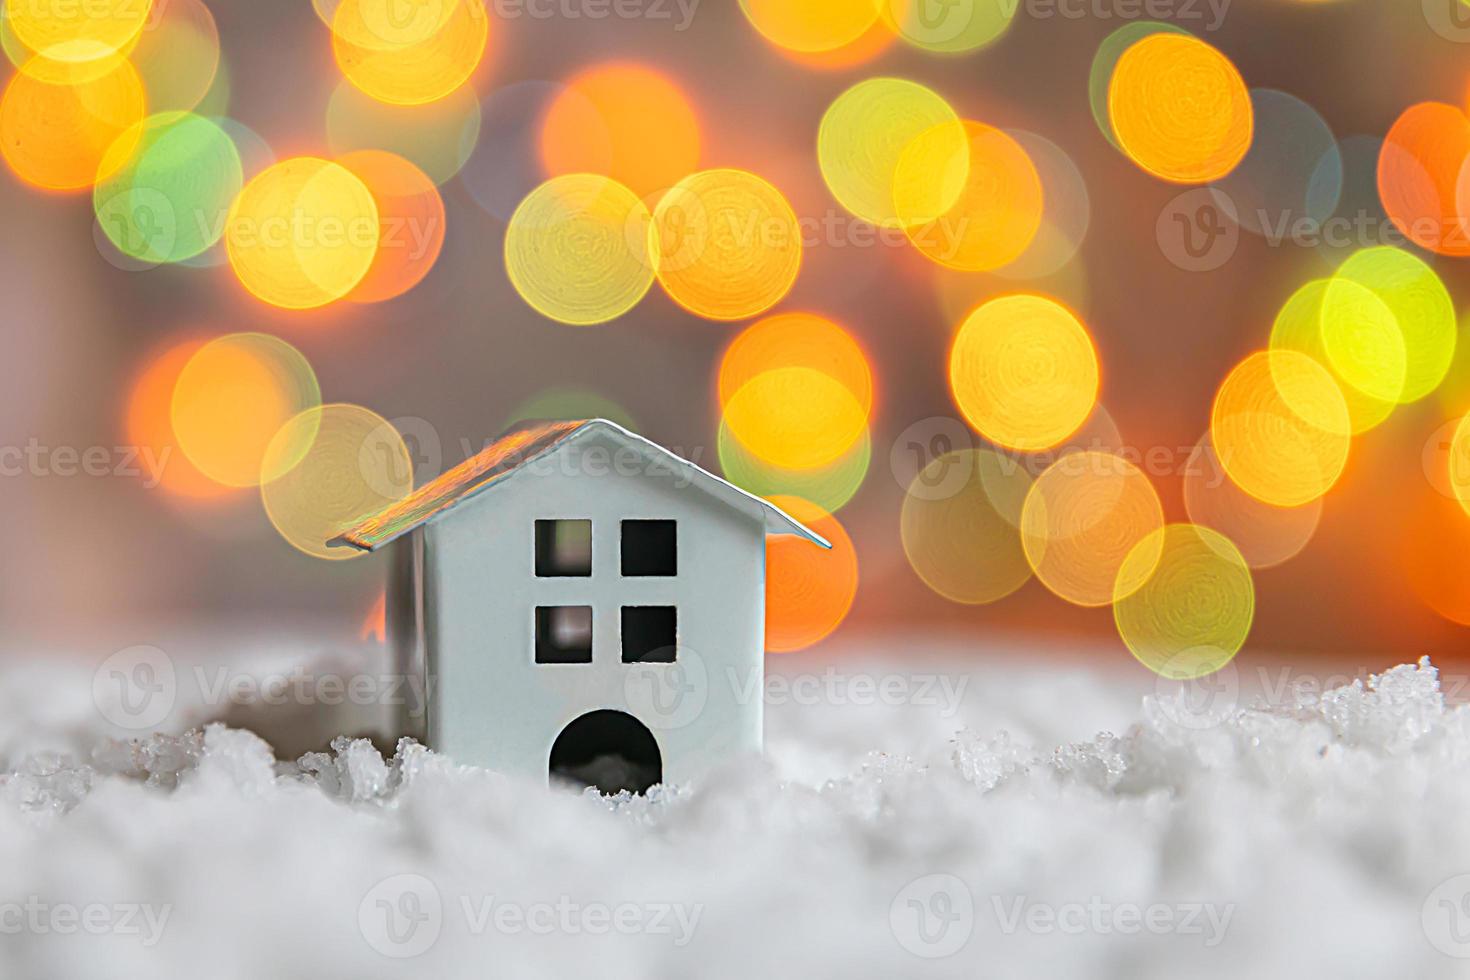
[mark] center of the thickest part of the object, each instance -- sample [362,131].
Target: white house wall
[493,705]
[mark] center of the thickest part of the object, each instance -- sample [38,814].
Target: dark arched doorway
[611,750]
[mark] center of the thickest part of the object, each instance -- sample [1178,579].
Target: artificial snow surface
[977,833]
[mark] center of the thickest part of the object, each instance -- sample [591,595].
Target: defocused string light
[303,233]
[173,179]
[1179,109]
[864,132]
[1363,333]
[150,426]
[949,28]
[812,25]
[999,208]
[726,244]
[1023,371]
[868,46]
[178,57]
[409,60]
[809,591]
[830,487]
[1281,428]
[1458,463]
[231,399]
[411,224]
[960,525]
[56,136]
[797,418]
[354,464]
[796,340]
[625,120]
[438,138]
[1100,75]
[1419,170]
[576,249]
[1184,601]
[1292,174]
[1066,210]
[1082,518]
[78,32]
[1419,302]
[1265,534]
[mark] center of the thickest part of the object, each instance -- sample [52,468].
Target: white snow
[984,832]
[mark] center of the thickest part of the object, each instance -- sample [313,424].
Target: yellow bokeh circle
[726,244]
[864,132]
[797,418]
[1023,371]
[964,542]
[995,212]
[57,136]
[1082,517]
[796,340]
[1352,333]
[1281,428]
[409,60]
[1459,463]
[302,233]
[812,25]
[1185,601]
[231,399]
[77,30]
[1419,304]
[354,464]
[1180,109]
[576,249]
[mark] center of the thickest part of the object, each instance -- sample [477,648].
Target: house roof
[506,456]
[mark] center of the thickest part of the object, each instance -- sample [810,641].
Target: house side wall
[493,705]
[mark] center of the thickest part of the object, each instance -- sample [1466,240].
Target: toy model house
[583,603]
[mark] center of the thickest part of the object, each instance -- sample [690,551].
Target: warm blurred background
[1371,567]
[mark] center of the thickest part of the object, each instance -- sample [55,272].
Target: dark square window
[650,634]
[650,548]
[563,634]
[564,548]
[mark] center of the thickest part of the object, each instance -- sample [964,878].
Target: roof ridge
[516,447]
